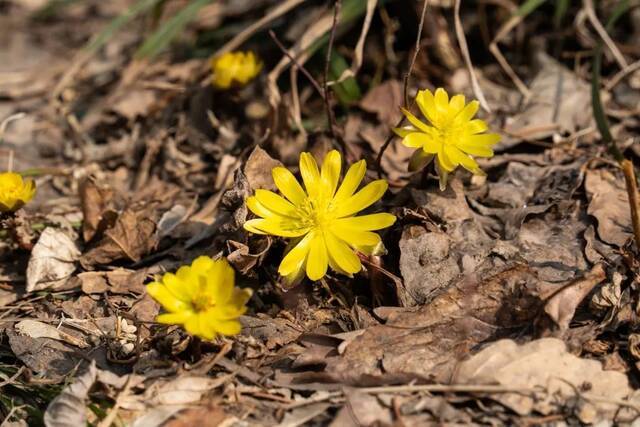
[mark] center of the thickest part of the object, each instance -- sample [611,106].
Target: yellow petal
[201,265]
[169,302]
[419,159]
[341,254]
[487,139]
[296,257]
[355,237]
[330,173]
[404,131]
[456,104]
[276,203]
[415,121]
[475,150]
[351,181]
[318,259]
[258,208]
[200,326]
[370,222]
[276,227]
[427,105]
[475,126]
[364,198]
[444,162]
[179,318]
[220,282]
[227,327]
[288,185]
[176,287]
[441,99]
[468,112]
[421,140]
[310,173]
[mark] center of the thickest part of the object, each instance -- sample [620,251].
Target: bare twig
[284,50]
[245,34]
[405,88]
[632,192]
[462,41]
[407,76]
[13,377]
[327,97]
[591,14]
[113,412]
[617,78]
[504,30]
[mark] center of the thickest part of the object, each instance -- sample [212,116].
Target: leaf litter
[506,298]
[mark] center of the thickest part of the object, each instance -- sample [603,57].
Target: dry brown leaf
[258,168]
[119,281]
[52,260]
[69,409]
[552,374]
[37,329]
[94,200]
[385,101]
[609,204]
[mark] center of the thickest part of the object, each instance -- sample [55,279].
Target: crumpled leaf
[52,260]
[426,342]
[550,372]
[257,169]
[69,409]
[94,200]
[36,329]
[546,113]
[385,101]
[119,281]
[609,204]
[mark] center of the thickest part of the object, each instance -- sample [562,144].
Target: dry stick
[327,97]
[462,41]
[632,192]
[617,78]
[294,62]
[591,14]
[495,50]
[405,87]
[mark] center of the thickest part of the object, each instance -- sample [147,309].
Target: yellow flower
[202,298]
[14,191]
[234,68]
[451,136]
[321,220]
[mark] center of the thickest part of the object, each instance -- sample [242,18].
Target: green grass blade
[527,7]
[116,24]
[164,35]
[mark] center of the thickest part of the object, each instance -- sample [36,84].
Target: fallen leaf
[385,101]
[552,375]
[36,329]
[69,409]
[257,170]
[609,204]
[119,281]
[94,200]
[52,260]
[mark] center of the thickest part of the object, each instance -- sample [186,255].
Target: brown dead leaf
[35,329]
[560,104]
[52,260]
[258,168]
[118,281]
[94,200]
[561,305]
[426,342]
[553,376]
[609,204]
[385,101]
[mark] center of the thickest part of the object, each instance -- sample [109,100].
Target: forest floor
[507,299]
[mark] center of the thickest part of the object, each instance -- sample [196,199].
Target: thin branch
[313,81]
[632,192]
[405,88]
[415,54]
[462,41]
[591,14]
[327,97]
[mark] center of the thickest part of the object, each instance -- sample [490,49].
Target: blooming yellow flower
[14,191]
[202,298]
[452,135]
[234,68]
[320,221]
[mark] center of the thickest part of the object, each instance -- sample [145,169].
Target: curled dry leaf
[52,260]
[549,376]
[119,281]
[69,409]
[36,329]
[609,204]
[258,169]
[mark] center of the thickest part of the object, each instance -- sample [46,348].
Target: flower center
[202,300]
[317,212]
[449,134]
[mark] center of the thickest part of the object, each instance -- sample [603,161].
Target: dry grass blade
[591,14]
[245,34]
[462,41]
